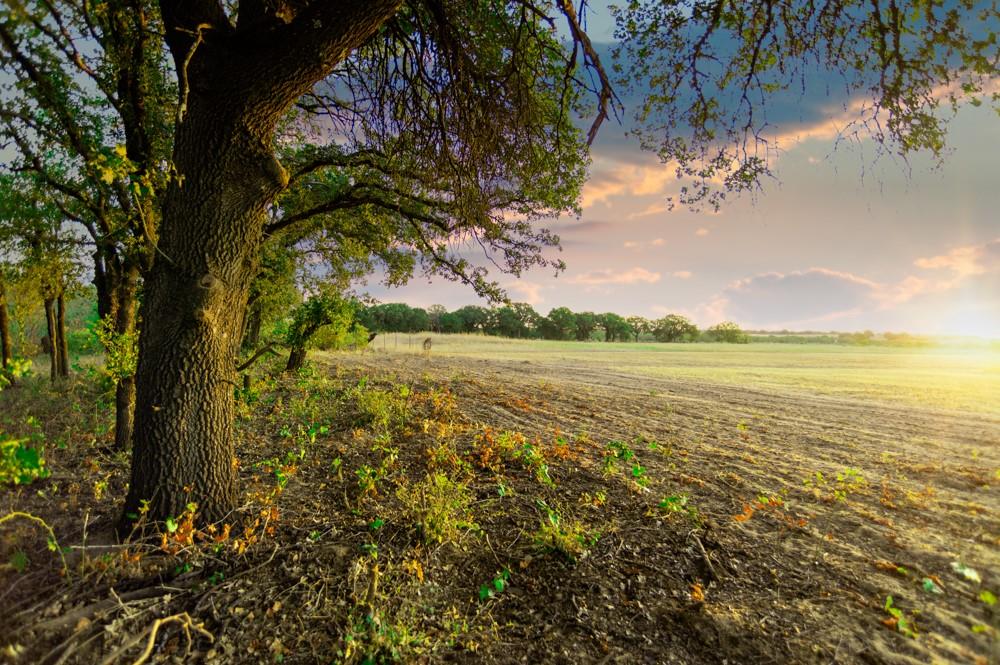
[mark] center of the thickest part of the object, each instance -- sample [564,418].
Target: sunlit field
[951,378]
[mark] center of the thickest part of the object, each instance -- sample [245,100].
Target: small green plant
[848,480]
[614,452]
[21,463]
[619,451]
[495,586]
[897,619]
[121,350]
[439,506]
[16,368]
[532,458]
[572,541]
[386,410]
[368,478]
[679,504]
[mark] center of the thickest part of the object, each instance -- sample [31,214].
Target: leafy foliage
[20,463]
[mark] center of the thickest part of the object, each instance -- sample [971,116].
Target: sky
[839,241]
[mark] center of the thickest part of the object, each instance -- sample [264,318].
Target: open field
[942,378]
[661,504]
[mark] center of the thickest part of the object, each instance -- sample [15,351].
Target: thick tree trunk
[192,312]
[125,322]
[296,358]
[61,344]
[50,345]
[5,342]
[195,295]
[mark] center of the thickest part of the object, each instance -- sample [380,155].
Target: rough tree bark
[239,83]
[5,343]
[60,343]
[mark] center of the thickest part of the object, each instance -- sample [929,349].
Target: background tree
[586,323]
[473,318]
[728,332]
[616,328]
[674,328]
[32,229]
[6,345]
[434,314]
[505,322]
[561,324]
[640,325]
[322,309]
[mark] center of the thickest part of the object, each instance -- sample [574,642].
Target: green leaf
[171,524]
[485,592]
[988,597]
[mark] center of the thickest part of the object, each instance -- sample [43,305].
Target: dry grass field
[499,501]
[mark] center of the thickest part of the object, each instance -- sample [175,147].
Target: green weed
[439,507]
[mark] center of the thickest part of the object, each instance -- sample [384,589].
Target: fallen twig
[183,618]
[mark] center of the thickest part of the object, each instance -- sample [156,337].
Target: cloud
[529,292]
[701,233]
[967,260]
[642,244]
[957,291]
[682,274]
[651,209]
[609,276]
[610,178]
[950,271]
[809,296]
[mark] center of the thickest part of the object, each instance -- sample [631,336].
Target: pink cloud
[529,292]
[682,274]
[610,276]
[701,233]
[967,260]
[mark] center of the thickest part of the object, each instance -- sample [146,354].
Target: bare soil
[765,527]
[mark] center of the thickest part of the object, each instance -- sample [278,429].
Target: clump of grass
[570,540]
[439,506]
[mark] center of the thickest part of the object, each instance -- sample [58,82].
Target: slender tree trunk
[251,339]
[5,341]
[125,323]
[62,344]
[102,282]
[50,346]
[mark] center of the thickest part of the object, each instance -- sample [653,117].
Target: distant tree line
[521,321]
